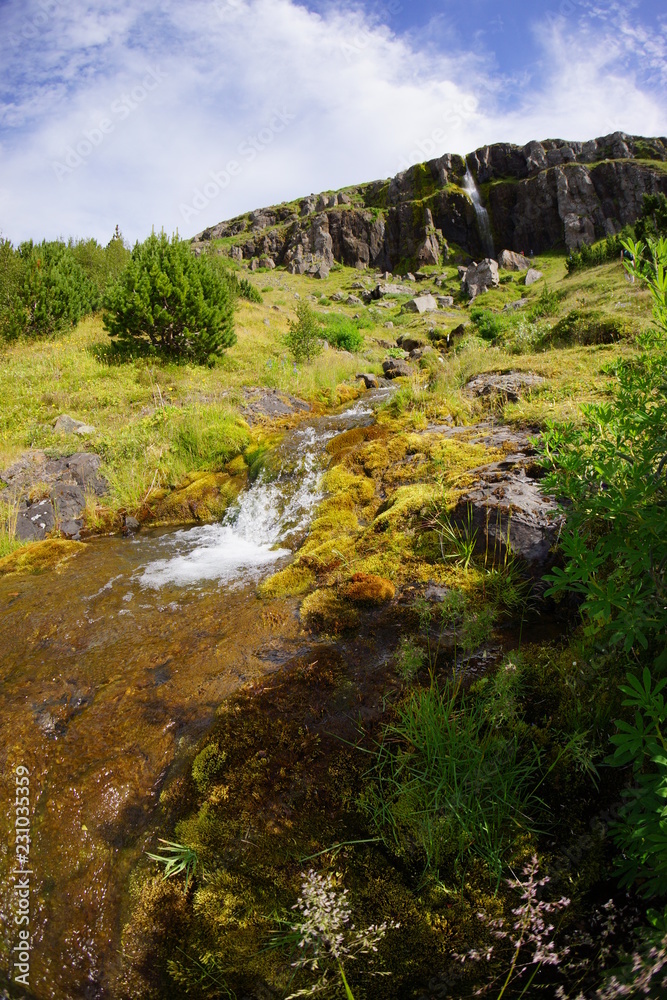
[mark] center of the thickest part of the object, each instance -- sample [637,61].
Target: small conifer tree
[169,302]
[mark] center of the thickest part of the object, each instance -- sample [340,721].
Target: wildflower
[326,937]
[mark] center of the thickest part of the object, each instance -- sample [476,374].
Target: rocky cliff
[539,196]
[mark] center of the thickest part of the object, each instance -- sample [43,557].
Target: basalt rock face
[539,196]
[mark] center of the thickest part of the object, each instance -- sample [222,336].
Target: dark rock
[507,503]
[396,368]
[370,381]
[271,403]
[445,301]
[410,342]
[131,524]
[34,521]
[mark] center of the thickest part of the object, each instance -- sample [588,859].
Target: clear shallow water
[109,671]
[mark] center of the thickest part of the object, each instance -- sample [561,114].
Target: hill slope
[540,196]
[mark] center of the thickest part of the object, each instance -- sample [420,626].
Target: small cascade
[483,221]
[255,533]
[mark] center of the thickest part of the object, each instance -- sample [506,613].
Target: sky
[182,113]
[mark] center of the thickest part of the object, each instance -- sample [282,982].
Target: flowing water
[483,221]
[110,670]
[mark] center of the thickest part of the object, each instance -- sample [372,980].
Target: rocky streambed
[115,667]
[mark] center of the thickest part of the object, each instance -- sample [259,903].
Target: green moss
[290,582]
[202,496]
[326,611]
[36,557]
[207,766]
[365,588]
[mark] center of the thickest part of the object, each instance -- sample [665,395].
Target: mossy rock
[342,482]
[364,588]
[202,496]
[290,582]
[325,610]
[40,556]
[207,766]
[587,327]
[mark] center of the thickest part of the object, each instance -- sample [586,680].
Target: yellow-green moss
[237,466]
[341,481]
[39,556]
[324,609]
[202,496]
[289,582]
[365,588]
[207,765]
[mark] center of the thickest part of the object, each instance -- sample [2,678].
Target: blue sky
[180,114]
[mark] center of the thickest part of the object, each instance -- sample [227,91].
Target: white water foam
[483,221]
[246,542]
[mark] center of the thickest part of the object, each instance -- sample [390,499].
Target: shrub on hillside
[653,221]
[169,302]
[587,327]
[51,291]
[342,332]
[595,254]
[303,339]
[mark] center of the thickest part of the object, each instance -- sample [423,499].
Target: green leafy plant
[303,338]
[641,831]
[613,473]
[169,302]
[342,332]
[457,541]
[176,858]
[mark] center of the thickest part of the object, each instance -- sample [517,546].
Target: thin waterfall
[483,222]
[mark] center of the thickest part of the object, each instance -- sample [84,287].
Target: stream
[111,670]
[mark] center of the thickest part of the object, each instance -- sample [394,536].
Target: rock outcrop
[51,493]
[538,196]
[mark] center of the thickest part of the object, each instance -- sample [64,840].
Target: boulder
[389,289]
[353,300]
[532,275]
[67,425]
[421,304]
[34,520]
[508,504]
[511,261]
[410,277]
[267,262]
[396,368]
[85,429]
[481,277]
[323,271]
[510,385]
[409,342]
[513,306]
[370,380]
[445,301]
[131,524]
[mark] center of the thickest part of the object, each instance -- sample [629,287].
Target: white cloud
[356,102]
